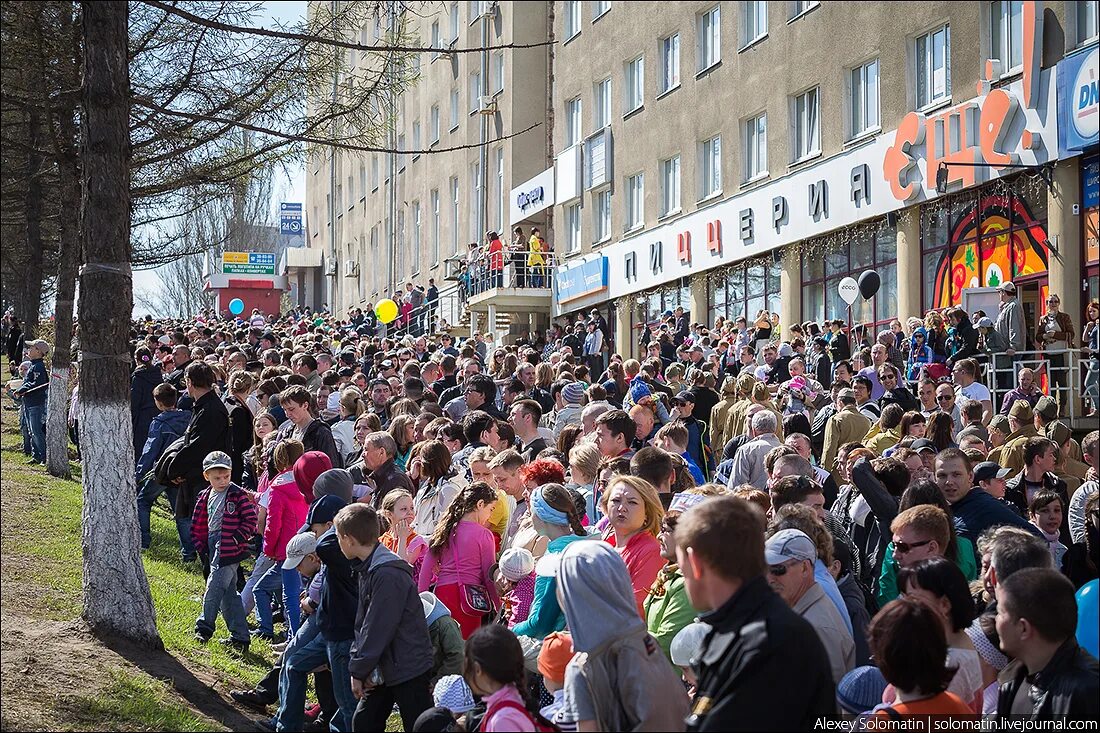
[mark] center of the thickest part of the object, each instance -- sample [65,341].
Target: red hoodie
[286,513]
[306,470]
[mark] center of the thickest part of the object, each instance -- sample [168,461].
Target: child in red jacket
[223,524]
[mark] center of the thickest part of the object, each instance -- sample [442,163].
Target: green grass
[132,702]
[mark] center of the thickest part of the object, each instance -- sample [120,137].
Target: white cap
[299,546]
[688,643]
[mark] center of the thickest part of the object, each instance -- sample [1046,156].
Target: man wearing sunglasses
[945,399]
[791,555]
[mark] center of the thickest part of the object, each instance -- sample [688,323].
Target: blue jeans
[305,652]
[292,589]
[147,497]
[263,564]
[36,425]
[25,429]
[268,584]
[221,595]
[339,654]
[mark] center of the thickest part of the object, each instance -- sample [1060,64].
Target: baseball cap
[684,396]
[299,546]
[847,393]
[217,459]
[987,470]
[386,364]
[452,692]
[922,444]
[1008,287]
[325,509]
[554,656]
[40,345]
[789,544]
[1046,407]
[984,322]
[688,643]
[1021,410]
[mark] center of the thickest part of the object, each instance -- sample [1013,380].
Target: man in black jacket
[1040,455]
[207,431]
[758,649]
[301,425]
[181,358]
[1050,675]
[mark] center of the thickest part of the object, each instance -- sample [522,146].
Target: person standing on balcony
[536,257]
[518,253]
[1010,326]
[496,260]
[432,301]
[1055,333]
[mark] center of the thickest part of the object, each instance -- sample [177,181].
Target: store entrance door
[1032,295]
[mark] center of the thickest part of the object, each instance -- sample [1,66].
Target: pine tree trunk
[57,412]
[117,600]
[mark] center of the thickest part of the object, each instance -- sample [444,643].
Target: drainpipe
[335,279]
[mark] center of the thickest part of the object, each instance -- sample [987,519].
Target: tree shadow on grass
[196,689]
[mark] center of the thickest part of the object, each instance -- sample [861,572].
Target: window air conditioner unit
[487,8]
[330,269]
[486,105]
[351,268]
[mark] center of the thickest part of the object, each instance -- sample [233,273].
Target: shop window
[983,238]
[746,290]
[655,303]
[871,247]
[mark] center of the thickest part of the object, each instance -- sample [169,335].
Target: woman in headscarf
[610,683]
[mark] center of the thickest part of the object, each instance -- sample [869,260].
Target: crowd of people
[770,524]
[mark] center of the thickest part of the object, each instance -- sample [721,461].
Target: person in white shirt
[967,388]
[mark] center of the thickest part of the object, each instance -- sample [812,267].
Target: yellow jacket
[846,426]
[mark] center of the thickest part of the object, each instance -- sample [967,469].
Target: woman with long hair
[401,429]
[437,484]
[239,388]
[256,478]
[584,467]
[556,517]
[350,407]
[461,557]
[940,430]
[913,425]
[494,669]
[635,511]
[616,386]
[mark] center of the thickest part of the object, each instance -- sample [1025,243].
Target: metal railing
[511,271]
[1065,371]
[437,316]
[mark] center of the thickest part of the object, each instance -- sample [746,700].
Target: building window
[746,290]
[401,155]
[437,41]
[498,72]
[434,122]
[573,228]
[635,84]
[756,147]
[475,92]
[635,201]
[572,122]
[807,140]
[475,203]
[599,7]
[597,159]
[983,237]
[710,167]
[670,185]
[602,94]
[454,215]
[710,38]
[374,172]
[501,193]
[602,219]
[865,98]
[870,248]
[454,22]
[454,109]
[435,226]
[754,21]
[399,252]
[1085,16]
[933,66]
[572,18]
[416,238]
[416,143]
[1006,33]
[798,7]
[670,63]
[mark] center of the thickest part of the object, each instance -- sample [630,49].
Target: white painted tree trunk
[117,600]
[57,423]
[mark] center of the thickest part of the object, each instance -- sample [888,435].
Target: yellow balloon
[386,310]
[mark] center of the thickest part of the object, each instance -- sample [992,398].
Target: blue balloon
[236,306]
[1087,620]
